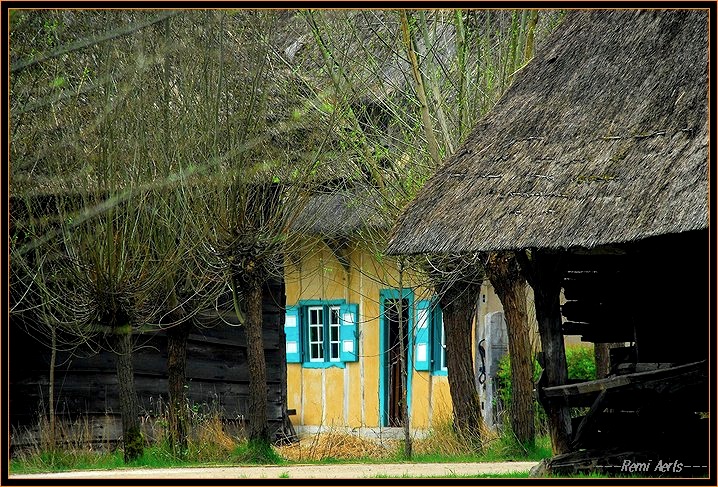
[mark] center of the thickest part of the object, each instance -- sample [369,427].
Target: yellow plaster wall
[320,276]
[369,348]
[354,389]
[334,396]
[312,400]
[294,389]
[420,399]
[441,400]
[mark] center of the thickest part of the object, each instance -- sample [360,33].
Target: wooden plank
[658,380]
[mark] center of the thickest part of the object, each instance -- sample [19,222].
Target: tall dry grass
[337,445]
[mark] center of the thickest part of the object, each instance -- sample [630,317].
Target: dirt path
[346,471]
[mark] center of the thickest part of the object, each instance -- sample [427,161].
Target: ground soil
[343,471]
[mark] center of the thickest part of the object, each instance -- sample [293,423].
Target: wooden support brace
[542,269]
[596,408]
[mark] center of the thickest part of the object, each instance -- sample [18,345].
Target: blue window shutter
[293,335]
[422,355]
[349,332]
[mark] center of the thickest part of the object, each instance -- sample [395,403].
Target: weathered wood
[586,311]
[602,357]
[543,272]
[589,419]
[631,367]
[599,332]
[666,380]
[510,285]
[217,376]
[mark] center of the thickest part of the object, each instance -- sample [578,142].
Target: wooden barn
[593,169]
[86,390]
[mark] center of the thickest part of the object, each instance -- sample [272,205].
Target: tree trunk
[403,365]
[131,434]
[530,35]
[51,387]
[503,272]
[258,428]
[543,273]
[419,88]
[458,308]
[177,387]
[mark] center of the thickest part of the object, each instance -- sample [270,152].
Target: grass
[508,475]
[211,445]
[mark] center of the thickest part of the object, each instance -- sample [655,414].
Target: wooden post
[543,271]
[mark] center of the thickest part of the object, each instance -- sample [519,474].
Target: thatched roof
[601,139]
[340,214]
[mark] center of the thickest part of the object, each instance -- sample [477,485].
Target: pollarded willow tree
[187,146]
[267,128]
[103,167]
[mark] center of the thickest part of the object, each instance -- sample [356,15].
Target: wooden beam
[599,332]
[659,380]
[543,272]
[590,419]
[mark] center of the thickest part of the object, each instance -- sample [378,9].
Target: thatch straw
[601,139]
[342,213]
[336,445]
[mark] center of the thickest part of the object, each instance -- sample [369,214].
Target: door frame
[385,294]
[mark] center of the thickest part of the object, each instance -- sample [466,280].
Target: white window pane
[421,352]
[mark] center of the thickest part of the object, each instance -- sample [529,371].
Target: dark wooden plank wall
[656,295]
[216,370]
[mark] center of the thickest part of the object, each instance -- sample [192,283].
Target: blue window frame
[439,342]
[321,333]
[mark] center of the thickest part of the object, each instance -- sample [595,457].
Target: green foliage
[580,363]
[58,82]
[507,448]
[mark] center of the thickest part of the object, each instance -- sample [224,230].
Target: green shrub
[580,363]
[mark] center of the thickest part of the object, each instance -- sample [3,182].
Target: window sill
[323,365]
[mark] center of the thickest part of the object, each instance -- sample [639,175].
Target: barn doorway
[394,394]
